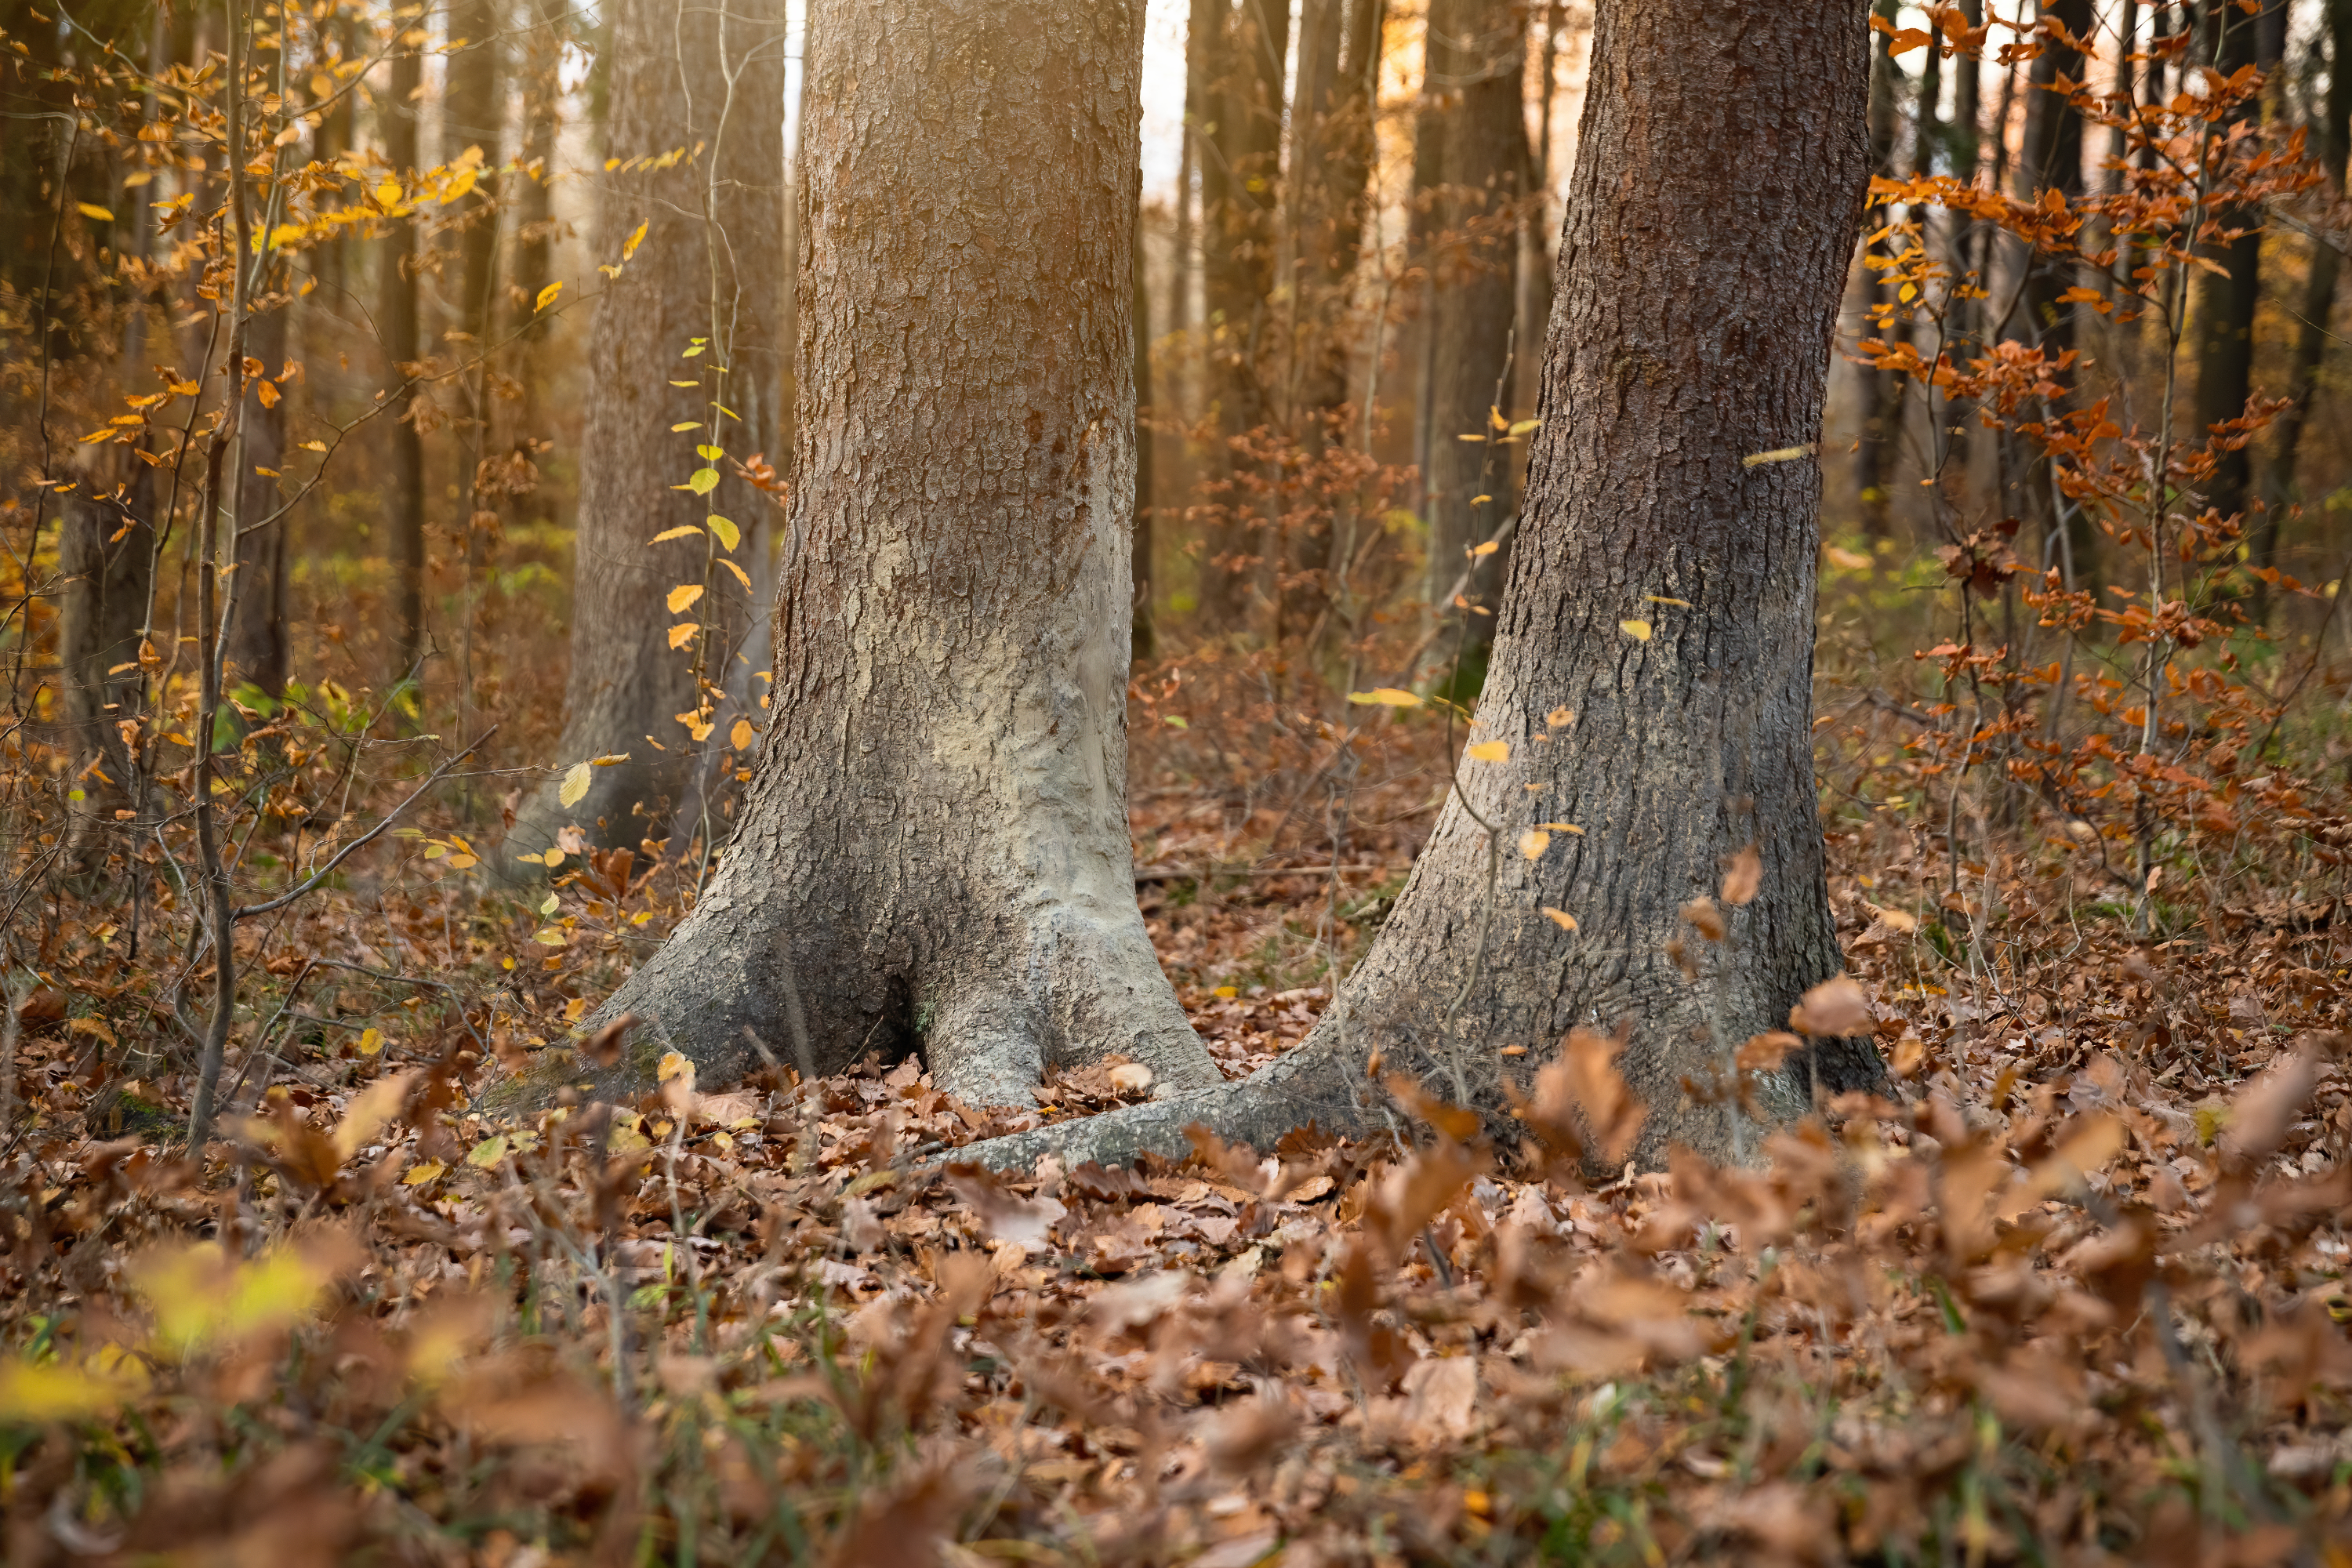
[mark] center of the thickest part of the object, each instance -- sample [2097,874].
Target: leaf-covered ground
[2076,1294]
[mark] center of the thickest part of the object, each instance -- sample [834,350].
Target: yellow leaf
[1485,550]
[32,1391]
[574,1009]
[740,575]
[685,383]
[1491,750]
[267,392]
[370,1110]
[686,424]
[1661,599]
[1560,827]
[1385,697]
[314,446]
[387,191]
[683,530]
[682,595]
[1851,560]
[1559,918]
[702,481]
[1521,427]
[486,1153]
[1638,630]
[629,246]
[93,211]
[370,1042]
[418,1174]
[1533,843]
[576,786]
[729,535]
[1560,718]
[683,633]
[547,296]
[1778,455]
[1227,992]
[740,736]
[200,1295]
[673,1064]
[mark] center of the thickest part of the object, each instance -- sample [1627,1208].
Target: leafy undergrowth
[2073,1292]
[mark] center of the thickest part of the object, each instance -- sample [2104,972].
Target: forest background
[423,686]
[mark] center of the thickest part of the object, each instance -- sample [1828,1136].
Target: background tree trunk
[1682,343]
[935,851]
[2052,160]
[627,686]
[1245,54]
[255,633]
[106,552]
[2319,289]
[2221,308]
[396,321]
[1475,84]
[1873,467]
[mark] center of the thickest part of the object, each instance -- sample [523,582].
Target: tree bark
[256,632]
[1244,51]
[2319,289]
[106,547]
[935,851]
[396,321]
[628,689]
[2052,160]
[1695,300]
[2221,308]
[1873,469]
[1474,86]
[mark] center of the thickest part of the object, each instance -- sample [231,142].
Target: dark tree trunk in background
[1474,87]
[2052,160]
[1536,225]
[473,114]
[396,321]
[1140,577]
[1331,151]
[2221,308]
[1874,467]
[1697,300]
[106,555]
[255,633]
[535,222]
[935,852]
[1245,54]
[1926,132]
[2319,289]
[1965,138]
[627,686]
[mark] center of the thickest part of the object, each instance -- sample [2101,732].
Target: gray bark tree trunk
[1695,304]
[935,850]
[688,279]
[1475,89]
[257,623]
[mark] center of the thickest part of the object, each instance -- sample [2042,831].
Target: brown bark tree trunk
[1696,302]
[2221,308]
[1476,86]
[2319,289]
[2052,160]
[1873,466]
[106,546]
[256,631]
[1244,54]
[935,852]
[688,280]
[396,321]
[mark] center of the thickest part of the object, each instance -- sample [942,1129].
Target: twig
[346,853]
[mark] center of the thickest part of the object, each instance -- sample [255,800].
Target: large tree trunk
[1243,52]
[396,321]
[1696,300]
[1476,57]
[628,687]
[935,851]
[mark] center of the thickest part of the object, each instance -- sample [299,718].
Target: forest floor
[2073,1292]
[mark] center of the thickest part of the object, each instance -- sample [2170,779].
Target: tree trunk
[396,321]
[2221,308]
[1139,596]
[1696,303]
[106,546]
[2319,289]
[1245,52]
[935,852]
[629,691]
[2052,160]
[256,632]
[1476,84]
[536,225]
[1873,469]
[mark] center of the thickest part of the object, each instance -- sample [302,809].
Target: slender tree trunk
[1139,578]
[1873,469]
[536,226]
[935,853]
[106,546]
[2319,289]
[1697,300]
[2052,160]
[2221,308]
[256,632]
[396,321]
[1926,132]
[1536,249]
[1477,70]
[1964,137]
[629,690]
[1247,49]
